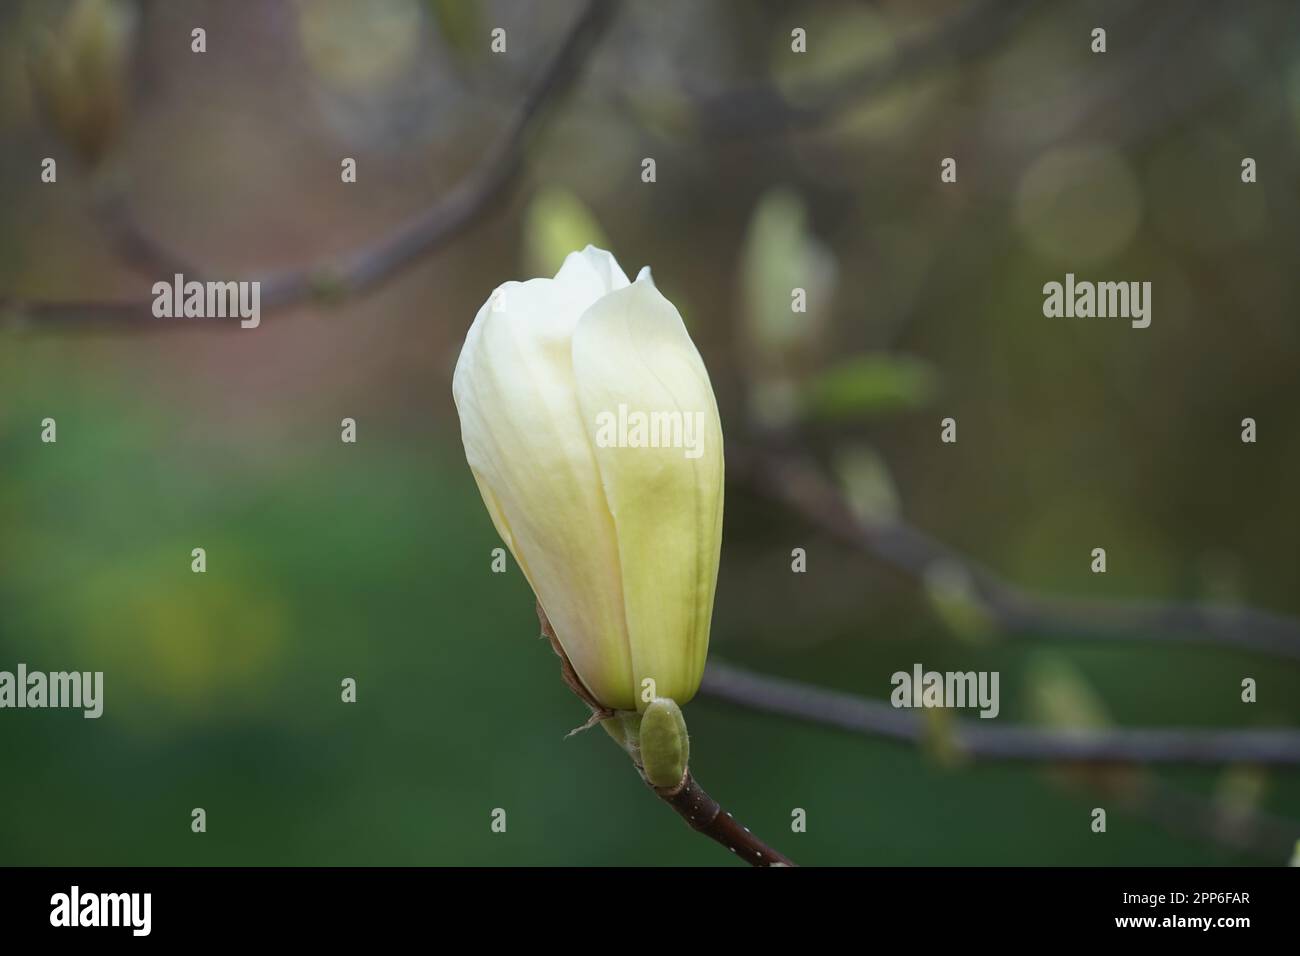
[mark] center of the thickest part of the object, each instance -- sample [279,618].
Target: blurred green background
[371,561]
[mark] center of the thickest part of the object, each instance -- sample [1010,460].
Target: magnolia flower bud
[593,434]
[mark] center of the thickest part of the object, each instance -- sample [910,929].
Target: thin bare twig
[372,263]
[986,740]
[796,481]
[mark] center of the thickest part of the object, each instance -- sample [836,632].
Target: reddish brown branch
[705,815]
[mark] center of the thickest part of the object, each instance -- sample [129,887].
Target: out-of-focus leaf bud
[1062,697]
[939,739]
[556,223]
[788,284]
[868,486]
[461,26]
[870,384]
[953,596]
[80,75]
[1238,794]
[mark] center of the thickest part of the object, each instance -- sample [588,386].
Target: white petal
[591,273]
[528,448]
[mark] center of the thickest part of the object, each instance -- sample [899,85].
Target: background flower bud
[619,543]
[80,75]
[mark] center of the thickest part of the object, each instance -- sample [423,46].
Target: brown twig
[369,265]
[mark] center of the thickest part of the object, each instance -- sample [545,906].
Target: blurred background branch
[967,31]
[991,740]
[793,479]
[1107,761]
[369,265]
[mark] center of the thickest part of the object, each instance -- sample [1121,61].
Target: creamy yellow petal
[632,349]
